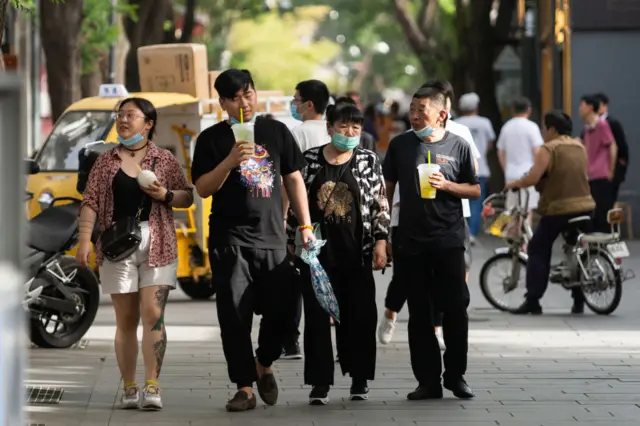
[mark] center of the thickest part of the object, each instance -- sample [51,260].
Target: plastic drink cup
[424,173]
[244,132]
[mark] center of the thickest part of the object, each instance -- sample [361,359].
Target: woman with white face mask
[133,188]
[347,198]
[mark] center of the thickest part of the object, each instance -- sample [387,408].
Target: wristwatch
[168,198]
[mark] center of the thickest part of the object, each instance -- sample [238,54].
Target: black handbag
[123,238]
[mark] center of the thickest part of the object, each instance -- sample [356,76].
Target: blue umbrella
[320,280]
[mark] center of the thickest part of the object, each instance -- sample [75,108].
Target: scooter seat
[52,229]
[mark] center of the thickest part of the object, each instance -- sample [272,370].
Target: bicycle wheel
[511,289]
[603,292]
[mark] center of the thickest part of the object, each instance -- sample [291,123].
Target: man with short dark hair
[559,172]
[429,243]
[247,241]
[622,162]
[309,104]
[602,152]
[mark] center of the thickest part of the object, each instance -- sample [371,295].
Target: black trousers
[540,251]
[435,281]
[293,305]
[602,191]
[355,289]
[249,280]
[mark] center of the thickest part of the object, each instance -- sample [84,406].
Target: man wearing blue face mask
[429,243]
[308,105]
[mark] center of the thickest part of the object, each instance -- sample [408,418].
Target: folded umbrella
[320,280]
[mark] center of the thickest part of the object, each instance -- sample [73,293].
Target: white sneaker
[385,330]
[130,398]
[440,339]
[151,399]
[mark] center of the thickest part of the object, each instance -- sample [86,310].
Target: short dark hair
[521,105]
[147,109]
[604,99]
[316,92]
[432,93]
[592,101]
[230,81]
[344,111]
[560,121]
[443,86]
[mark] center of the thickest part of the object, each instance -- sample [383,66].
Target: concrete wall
[608,61]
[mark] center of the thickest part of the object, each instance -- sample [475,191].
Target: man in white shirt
[309,103]
[396,295]
[519,141]
[484,137]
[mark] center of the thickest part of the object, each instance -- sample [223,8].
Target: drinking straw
[428,157]
[241,116]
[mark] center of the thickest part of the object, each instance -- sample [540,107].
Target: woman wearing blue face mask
[138,279]
[347,199]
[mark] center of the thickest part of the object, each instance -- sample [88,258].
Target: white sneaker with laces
[386,329]
[151,399]
[130,398]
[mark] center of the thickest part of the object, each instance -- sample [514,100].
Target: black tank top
[127,196]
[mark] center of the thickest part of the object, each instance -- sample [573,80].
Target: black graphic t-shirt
[334,203]
[429,224]
[247,210]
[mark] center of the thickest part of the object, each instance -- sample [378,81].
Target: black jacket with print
[374,206]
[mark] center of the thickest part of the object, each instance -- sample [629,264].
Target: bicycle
[592,261]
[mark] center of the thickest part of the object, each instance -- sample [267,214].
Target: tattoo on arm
[160,298]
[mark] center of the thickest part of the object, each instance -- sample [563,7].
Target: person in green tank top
[559,173]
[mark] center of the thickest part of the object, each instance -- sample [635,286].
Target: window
[70,134]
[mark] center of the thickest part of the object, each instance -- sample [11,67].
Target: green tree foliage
[97,33]
[281,48]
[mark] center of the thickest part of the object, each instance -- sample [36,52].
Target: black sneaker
[359,390]
[292,352]
[425,392]
[529,307]
[319,395]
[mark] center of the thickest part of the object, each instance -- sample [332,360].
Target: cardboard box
[213,93]
[178,68]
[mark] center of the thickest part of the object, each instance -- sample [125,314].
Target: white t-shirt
[482,132]
[458,130]
[518,138]
[310,134]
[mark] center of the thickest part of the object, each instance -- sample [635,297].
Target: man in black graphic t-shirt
[429,243]
[246,232]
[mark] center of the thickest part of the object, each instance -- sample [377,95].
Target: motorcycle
[61,296]
[591,262]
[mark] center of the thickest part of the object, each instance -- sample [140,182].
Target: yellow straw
[241,116]
[428,157]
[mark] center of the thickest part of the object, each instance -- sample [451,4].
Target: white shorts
[134,273]
[534,197]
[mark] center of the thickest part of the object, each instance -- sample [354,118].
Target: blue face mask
[294,112]
[234,121]
[424,132]
[344,143]
[137,138]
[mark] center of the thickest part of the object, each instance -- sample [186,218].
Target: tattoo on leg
[160,298]
[159,348]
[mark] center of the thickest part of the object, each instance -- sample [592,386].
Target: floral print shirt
[98,196]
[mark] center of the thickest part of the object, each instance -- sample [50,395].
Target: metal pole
[36,125]
[12,316]
[112,48]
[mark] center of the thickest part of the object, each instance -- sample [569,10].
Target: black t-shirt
[247,210]
[429,224]
[334,204]
[127,196]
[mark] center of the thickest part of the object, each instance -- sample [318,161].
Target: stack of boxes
[182,68]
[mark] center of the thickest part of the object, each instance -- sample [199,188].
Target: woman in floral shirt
[139,285]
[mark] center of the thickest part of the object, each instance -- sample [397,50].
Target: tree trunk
[148,29]
[188,22]
[3,15]
[60,31]
[90,83]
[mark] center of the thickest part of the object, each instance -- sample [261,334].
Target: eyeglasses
[121,116]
